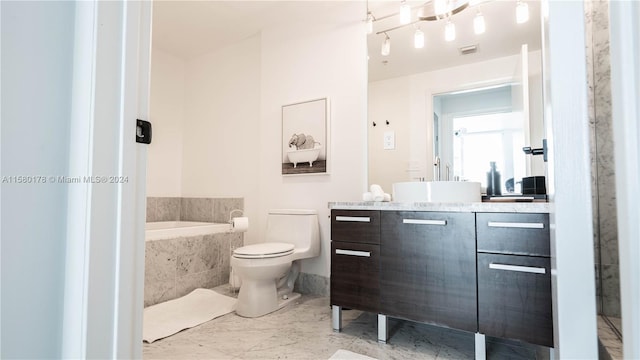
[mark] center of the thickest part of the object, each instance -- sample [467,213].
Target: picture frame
[305,138]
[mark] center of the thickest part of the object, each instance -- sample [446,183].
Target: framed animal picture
[305,138]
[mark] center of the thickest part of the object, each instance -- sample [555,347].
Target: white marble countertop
[507,207]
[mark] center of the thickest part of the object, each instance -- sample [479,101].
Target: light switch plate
[389,140]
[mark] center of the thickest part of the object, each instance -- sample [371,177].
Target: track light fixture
[522,12]
[436,10]
[449,31]
[479,26]
[405,13]
[418,39]
[386,46]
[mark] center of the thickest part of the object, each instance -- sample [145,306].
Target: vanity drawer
[355,268]
[508,233]
[514,298]
[362,226]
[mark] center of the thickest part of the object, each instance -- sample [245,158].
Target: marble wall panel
[222,208]
[175,267]
[163,209]
[197,209]
[602,155]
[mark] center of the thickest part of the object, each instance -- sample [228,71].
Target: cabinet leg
[336,318]
[383,328]
[481,351]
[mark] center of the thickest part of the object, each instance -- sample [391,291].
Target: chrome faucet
[436,173]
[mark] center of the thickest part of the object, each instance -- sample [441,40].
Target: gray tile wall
[602,157]
[175,267]
[192,209]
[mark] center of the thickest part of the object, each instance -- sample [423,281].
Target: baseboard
[312,284]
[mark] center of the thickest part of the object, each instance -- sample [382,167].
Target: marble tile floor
[302,330]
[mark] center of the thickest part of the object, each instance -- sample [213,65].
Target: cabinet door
[354,275]
[514,298]
[428,267]
[355,226]
[522,234]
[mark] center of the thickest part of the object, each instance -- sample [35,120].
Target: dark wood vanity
[482,272]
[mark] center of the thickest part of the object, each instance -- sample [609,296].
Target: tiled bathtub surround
[175,267]
[192,209]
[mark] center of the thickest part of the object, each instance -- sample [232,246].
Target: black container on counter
[533,185]
[493,180]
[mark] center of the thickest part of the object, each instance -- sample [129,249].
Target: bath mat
[199,306]
[348,355]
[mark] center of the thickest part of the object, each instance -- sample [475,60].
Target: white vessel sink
[453,191]
[410,191]
[436,191]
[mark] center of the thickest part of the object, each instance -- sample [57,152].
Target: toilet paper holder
[231,214]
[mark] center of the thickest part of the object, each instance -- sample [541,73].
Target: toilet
[268,270]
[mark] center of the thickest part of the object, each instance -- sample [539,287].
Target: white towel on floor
[199,306]
[348,355]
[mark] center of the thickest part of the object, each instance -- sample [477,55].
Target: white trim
[625,91]
[569,176]
[79,196]
[105,249]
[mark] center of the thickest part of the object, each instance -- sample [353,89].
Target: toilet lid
[263,250]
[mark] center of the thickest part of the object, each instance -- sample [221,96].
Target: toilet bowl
[268,270]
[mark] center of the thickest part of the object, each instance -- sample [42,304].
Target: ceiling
[191,28]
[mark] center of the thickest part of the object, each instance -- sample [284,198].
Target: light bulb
[386,47]
[369,24]
[418,39]
[449,31]
[478,23]
[522,12]
[440,6]
[405,13]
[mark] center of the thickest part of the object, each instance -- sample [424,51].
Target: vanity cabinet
[428,263]
[483,272]
[355,259]
[514,277]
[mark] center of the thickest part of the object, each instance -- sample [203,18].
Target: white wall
[420,90]
[167,105]
[221,127]
[389,100]
[308,61]
[37,66]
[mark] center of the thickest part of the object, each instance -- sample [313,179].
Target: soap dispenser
[493,180]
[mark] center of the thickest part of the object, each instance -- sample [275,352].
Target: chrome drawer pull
[424,222]
[353,253]
[526,269]
[516,225]
[353,218]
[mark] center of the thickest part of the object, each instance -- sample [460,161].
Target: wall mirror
[468,99]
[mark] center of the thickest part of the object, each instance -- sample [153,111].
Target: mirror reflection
[466,102]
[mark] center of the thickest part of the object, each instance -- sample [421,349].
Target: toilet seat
[264,251]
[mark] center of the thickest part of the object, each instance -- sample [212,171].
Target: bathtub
[306,155]
[174,229]
[181,256]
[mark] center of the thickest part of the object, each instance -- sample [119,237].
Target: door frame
[104,272]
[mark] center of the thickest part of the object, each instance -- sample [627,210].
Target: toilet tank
[297,227]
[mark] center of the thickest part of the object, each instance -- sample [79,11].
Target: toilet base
[291,298]
[251,310]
